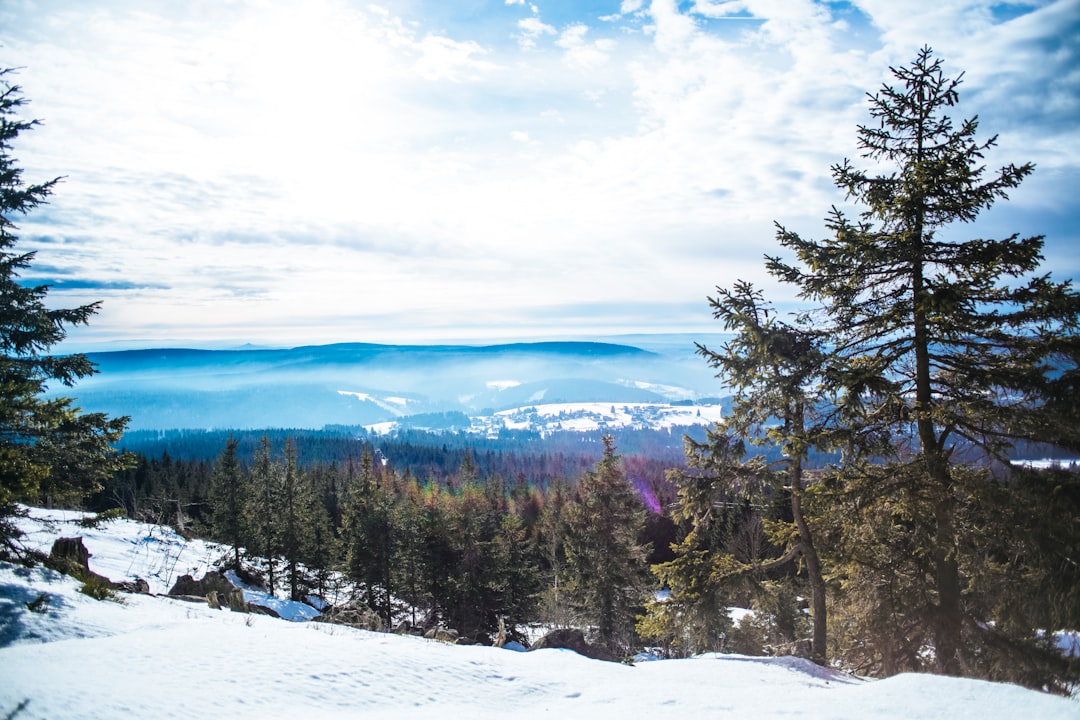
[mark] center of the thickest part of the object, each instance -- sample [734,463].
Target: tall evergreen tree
[950,344]
[774,369]
[264,508]
[606,563]
[552,548]
[228,493]
[369,536]
[322,549]
[50,451]
[411,561]
[297,504]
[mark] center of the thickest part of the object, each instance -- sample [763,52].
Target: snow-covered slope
[548,418]
[154,657]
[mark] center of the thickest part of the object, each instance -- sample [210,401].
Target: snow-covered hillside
[155,657]
[583,417]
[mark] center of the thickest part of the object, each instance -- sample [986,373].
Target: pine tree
[773,368]
[954,345]
[264,507]
[297,502]
[228,493]
[322,549]
[50,451]
[369,537]
[606,563]
[552,548]
[410,563]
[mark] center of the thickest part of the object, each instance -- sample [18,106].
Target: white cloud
[532,29]
[326,165]
[445,59]
[672,29]
[581,54]
[709,8]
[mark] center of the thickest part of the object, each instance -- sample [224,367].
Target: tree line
[474,554]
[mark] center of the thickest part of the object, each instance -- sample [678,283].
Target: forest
[858,497]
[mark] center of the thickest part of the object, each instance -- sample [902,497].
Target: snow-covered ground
[154,657]
[584,417]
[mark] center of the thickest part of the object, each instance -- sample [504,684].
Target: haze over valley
[368,384]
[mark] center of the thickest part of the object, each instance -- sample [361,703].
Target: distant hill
[364,383]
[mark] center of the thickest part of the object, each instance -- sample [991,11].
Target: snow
[582,417]
[592,416]
[394,405]
[157,657]
[1048,463]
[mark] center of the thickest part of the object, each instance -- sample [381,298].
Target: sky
[413,171]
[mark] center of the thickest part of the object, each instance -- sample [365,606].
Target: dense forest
[464,549]
[858,497]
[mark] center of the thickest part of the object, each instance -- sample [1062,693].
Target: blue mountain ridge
[365,383]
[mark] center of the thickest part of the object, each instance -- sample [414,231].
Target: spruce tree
[297,501]
[946,346]
[606,562]
[50,451]
[552,548]
[264,508]
[774,369]
[369,536]
[321,551]
[410,563]
[228,493]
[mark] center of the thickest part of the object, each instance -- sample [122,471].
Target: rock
[355,615]
[572,639]
[235,600]
[445,635]
[213,580]
[70,556]
[262,610]
[136,586]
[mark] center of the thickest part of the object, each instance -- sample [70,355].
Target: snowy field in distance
[155,657]
[587,417]
[584,417]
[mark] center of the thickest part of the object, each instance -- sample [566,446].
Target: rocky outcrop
[70,556]
[357,615]
[445,635]
[212,581]
[216,591]
[572,639]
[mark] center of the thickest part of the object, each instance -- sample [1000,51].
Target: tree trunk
[813,571]
[947,620]
[809,553]
[947,625]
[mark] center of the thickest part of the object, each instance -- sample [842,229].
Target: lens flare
[648,497]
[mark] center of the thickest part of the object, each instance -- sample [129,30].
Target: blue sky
[290,173]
